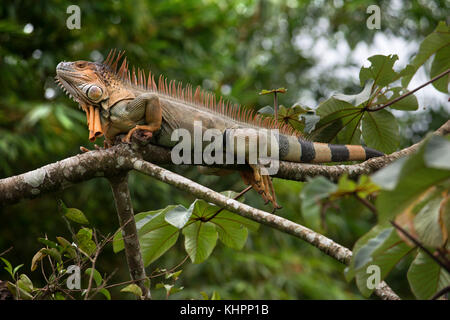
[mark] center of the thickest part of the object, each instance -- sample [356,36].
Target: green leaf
[17,268]
[54,253]
[178,216]
[232,234]
[174,275]
[154,244]
[380,247]
[47,242]
[408,103]
[84,241]
[364,255]
[106,293]
[428,222]
[215,295]
[351,133]
[76,215]
[380,71]
[356,99]
[22,294]
[434,42]
[426,277]
[440,64]
[414,179]
[95,275]
[387,178]
[141,220]
[204,295]
[291,116]
[63,242]
[8,267]
[200,240]
[58,296]
[334,116]
[311,195]
[380,131]
[25,283]
[134,289]
[156,236]
[279,90]
[437,153]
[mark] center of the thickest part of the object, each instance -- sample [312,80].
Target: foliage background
[234,48]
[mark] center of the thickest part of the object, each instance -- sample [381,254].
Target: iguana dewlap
[117,101]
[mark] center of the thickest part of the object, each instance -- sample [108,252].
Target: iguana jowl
[117,101]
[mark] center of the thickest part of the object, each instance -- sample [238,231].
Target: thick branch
[122,199]
[61,174]
[321,242]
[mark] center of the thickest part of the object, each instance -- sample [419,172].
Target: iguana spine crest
[200,98]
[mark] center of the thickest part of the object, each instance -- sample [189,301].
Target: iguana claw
[145,132]
[261,183]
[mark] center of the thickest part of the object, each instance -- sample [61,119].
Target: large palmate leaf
[334,116]
[382,248]
[426,277]
[440,64]
[231,228]
[434,42]
[408,179]
[200,240]
[156,235]
[380,71]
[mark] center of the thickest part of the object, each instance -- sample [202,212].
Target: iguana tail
[296,149]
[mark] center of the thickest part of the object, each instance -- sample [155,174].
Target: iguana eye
[94,93]
[81,64]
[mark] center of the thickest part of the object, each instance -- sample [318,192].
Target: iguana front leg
[152,114]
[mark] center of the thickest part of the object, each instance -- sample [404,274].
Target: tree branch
[124,207]
[109,162]
[321,242]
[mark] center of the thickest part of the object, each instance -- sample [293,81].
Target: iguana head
[91,83]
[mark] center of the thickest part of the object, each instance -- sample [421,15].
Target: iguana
[117,101]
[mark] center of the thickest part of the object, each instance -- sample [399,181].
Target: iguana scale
[117,101]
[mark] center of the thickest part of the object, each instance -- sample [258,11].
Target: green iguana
[117,101]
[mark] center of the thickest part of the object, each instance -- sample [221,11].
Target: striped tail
[298,150]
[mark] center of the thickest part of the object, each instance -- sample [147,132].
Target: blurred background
[234,48]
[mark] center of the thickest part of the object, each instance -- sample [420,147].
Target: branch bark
[124,207]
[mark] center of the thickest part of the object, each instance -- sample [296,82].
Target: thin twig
[235,198]
[366,203]
[410,92]
[440,293]
[421,246]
